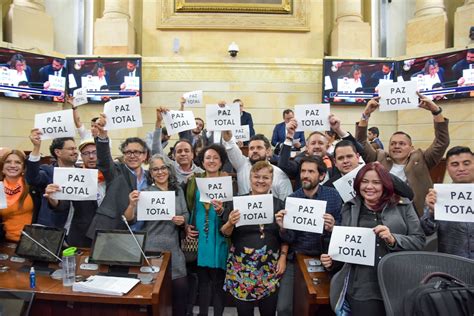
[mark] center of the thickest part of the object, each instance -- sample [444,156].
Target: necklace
[262,231]
[13,191]
[207,206]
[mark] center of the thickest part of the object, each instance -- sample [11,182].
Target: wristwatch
[438,111]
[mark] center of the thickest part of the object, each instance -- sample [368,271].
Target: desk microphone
[154,269]
[43,247]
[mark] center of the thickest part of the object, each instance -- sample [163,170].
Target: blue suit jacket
[246,119]
[279,135]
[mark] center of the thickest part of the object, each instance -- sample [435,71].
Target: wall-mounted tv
[440,71]
[105,78]
[29,76]
[354,76]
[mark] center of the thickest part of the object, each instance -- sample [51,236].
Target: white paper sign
[56,124]
[312,117]
[254,209]
[422,82]
[304,215]
[123,113]
[77,184]
[242,133]
[80,97]
[3,197]
[156,206]
[57,83]
[222,119]
[193,98]
[132,83]
[90,82]
[345,185]
[5,76]
[219,188]
[353,245]
[346,85]
[327,83]
[72,81]
[454,202]
[468,75]
[179,121]
[398,96]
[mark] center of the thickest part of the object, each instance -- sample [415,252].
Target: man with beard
[64,151]
[312,172]
[317,144]
[259,149]
[455,238]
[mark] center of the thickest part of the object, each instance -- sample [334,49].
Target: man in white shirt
[259,149]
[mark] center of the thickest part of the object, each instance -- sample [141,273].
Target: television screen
[49,237]
[354,76]
[105,78]
[30,76]
[117,247]
[447,70]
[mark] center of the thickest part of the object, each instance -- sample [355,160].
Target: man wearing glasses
[64,151]
[121,178]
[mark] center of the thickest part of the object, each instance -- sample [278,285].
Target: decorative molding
[282,7]
[298,20]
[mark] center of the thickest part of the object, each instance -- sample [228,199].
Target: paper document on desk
[105,285]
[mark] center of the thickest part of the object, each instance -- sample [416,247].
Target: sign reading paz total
[398,96]
[156,206]
[123,113]
[312,117]
[454,202]
[80,97]
[77,184]
[304,214]
[353,245]
[254,209]
[193,98]
[55,124]
[345,185]
[242,133]
[222,118]
[219,188]
[179,121]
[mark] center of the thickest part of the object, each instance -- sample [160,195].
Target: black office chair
[15,302]
[402,271]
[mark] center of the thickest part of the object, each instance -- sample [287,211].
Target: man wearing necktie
[56,68]
[384,74]
[131,70]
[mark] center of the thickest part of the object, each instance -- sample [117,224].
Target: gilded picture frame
[235,6]
[297,20]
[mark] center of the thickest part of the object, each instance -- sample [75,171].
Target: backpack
[448,296]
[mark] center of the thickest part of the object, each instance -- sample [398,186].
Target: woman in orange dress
[19,211]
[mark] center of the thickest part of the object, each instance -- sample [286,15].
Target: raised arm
[105,161]
[290,167]
[369,154]
[236,158]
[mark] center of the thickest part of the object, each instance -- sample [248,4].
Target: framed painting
[235,6]
[270,15]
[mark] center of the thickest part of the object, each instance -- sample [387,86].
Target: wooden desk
[309,298]
[52,298]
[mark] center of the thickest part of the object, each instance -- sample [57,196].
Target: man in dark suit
[279,133]
[386,73]
[245,119]
[56,68]
[132,70]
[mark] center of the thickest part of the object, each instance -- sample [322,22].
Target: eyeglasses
[134,153]
[70,148]
[160,169]
[89,153]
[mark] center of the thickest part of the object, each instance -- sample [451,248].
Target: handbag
[449,296]
[190,246]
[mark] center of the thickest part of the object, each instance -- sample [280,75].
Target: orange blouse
[14,217]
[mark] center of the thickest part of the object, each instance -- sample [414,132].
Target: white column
[28,26]
[463,20]
[428,30]
[114,32]
[351,36]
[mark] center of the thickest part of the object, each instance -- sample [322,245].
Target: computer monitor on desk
[118,250]
[46,237]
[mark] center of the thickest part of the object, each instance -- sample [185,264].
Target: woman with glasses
[205,226]
[257,256]
[121,178]
[164,235]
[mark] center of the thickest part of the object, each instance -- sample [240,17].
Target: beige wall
[273,71]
